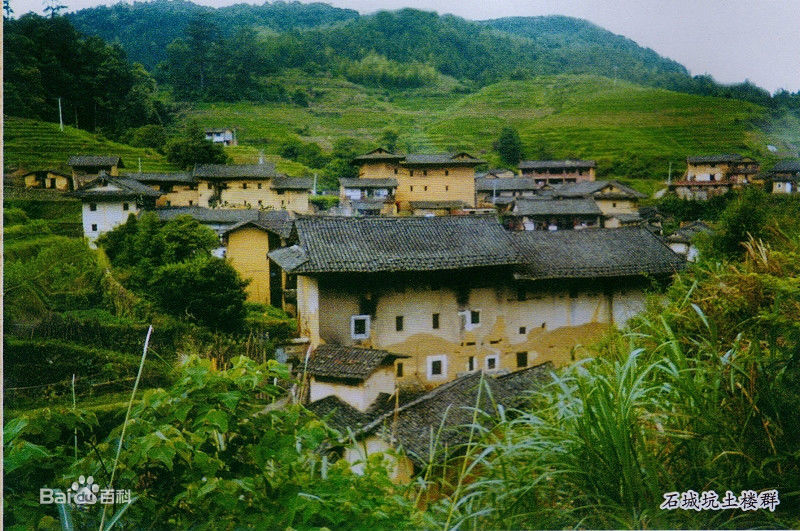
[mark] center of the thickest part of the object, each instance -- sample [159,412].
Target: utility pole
[314,191]
[60,120]
[140,165]
[669,175]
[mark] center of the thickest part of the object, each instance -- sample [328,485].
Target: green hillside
[32,144]
[631,130]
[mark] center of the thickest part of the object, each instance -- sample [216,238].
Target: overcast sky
[732,40]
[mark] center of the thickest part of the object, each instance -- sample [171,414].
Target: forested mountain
[144,29]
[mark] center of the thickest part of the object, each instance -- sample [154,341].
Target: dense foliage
[146,28]
[47,58]
[509,146]
[163,259]
[191,147]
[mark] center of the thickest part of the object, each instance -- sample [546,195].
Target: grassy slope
[32,144]
[579,116]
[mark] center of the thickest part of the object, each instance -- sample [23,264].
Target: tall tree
[53,8]
[509,146]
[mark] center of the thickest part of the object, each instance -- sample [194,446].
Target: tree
[205,289]
[7,11]
[745,216]
[300,98]
[192,148]
[53,8]
[389,139]
[509,146]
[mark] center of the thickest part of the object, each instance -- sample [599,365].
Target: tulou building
[425,184]
[558,171]
[459,294]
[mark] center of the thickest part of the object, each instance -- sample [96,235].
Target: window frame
[398,323]
[367,324]
[524,354]
[442,358]
[495,358]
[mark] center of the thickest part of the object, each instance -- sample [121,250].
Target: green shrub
[14,216]
[324,202]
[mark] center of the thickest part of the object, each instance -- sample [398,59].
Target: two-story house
[501,191]
[368,197]
[86,167]
[108,201]
[710,175]
[459,293]
[178,189]
[250,186]
[618,203]
[437,183]
[558,171]
[48,179]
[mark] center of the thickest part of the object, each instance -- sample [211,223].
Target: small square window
[491,363]
[125,206]
[435,321]
[425,188]
[93,207]
[399,370]
[522,359]
[94,227]
[191,202]
[411,173]
[244,186]
[447,172]
[359,326]
[395,171]
[398,323]
[169,203]
[411,188]
[522,330]
[446,188]
[475,317]
[437,367]
[259,186]
[424,172]
[471,363]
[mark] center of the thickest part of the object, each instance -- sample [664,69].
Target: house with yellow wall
[410,430]
[368,197]
[48,179]
[459,294]
[86,167]
[785,177]
[618,203]
[250,186]
[558,171]
[710,175]
[446,178]
[178,189]
[247,247]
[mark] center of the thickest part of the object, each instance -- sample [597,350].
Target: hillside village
[291,266]
[426,271]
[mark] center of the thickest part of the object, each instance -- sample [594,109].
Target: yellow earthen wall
[247,252]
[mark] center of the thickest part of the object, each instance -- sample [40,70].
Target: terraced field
[629,129]
[32,144]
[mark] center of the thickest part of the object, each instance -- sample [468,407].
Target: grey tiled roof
[595,188]
[95,161]
[436,205]
[235,171]
[220,216]
[337,362]
[450,406]
[292,183]
[555,164]
[378,154]
[555,207]
[374,244]
[686,233]
[279,222]
[155,178]
[589,253]
[339,414]
[505,184]
[416,159]
[127,189]
[786,166]
[368,183]
[711,159]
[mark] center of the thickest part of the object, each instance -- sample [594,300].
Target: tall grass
[694,395]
